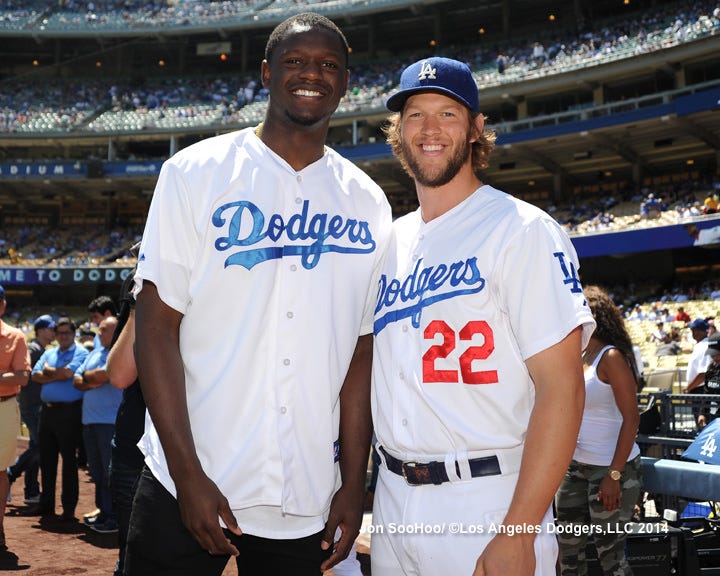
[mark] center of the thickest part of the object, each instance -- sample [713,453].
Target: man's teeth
[432,147]
[306,93]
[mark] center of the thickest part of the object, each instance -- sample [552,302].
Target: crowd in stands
[67,246]
[92,245]
[99,105]
[666,205]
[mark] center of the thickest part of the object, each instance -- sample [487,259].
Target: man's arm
[95,377]
[51,374]
[549,445]
[41,378]
[121,367]
[355,435]
[699,380]
[90,379]
[12,379]
[17,370]
[162,377]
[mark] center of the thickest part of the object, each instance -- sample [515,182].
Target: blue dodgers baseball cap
[437,74]
[44,321]
[699,324]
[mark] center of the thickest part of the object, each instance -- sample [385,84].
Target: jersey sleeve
[540,287]
[169,240]
[382,242]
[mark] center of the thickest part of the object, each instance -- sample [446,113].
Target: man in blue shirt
[60,420]
[99,410]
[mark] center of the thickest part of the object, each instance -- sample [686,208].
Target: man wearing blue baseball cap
[30,405]
[479,326]
[14,372]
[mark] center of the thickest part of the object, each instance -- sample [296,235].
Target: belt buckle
[405,466]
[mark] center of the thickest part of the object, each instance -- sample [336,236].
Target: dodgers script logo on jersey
[424,287]
[352,236]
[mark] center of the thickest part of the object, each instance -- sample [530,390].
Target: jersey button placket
[287,353]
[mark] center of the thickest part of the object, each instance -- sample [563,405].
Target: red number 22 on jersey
[443,350]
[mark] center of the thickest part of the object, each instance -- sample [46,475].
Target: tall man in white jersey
[477,376]
[257,277]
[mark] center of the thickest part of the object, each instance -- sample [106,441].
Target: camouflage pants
[581,515]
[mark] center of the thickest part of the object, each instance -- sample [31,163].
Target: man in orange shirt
[14,373]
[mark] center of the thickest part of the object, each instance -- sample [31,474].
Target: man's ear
[478,126]
[265,74]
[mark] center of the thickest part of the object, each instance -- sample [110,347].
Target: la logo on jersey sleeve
[569,272]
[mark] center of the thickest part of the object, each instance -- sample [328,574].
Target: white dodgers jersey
[274,271]
[463,301]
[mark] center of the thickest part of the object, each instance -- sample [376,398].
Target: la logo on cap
[427,71]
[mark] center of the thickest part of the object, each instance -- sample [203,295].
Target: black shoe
[30,500]
[110,526]
[68,516]
[92,520]
[38,510]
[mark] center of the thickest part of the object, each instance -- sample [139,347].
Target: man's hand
[507,555]
[201,502]
[346,512]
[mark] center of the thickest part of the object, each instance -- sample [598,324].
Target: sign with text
[61,276]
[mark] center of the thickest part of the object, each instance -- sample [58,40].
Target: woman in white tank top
[600,489]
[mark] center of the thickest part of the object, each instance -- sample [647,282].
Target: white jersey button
[299,178]
[286,361]
[293,268]
[283,410]
[298,200]
[404,421]
[290,314]
[404,328]
[415,257]
[402,375]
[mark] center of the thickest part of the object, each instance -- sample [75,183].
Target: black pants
[158,544]
[59,434]
[124,475]
[29,461]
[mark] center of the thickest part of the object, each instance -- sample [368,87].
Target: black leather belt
[59,404]
[5,398]
[417,473]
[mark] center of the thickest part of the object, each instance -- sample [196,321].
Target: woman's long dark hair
[610,324]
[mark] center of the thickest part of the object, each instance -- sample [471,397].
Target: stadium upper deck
[612,106]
